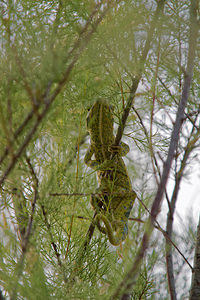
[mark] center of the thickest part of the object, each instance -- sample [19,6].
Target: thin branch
[130,219]
[74,202]
[125,287]
[167,237]
[152,112]
[85,194]
[169,259]
[195,286]
[20,129]
[51,237]
[16,134]
[81,142]
[89,233]
[19,202]
[137,78]
[154,160]
[187,115]
[26,237]
[151,152]
[24,76]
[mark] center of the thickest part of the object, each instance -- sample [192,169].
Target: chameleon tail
[114,240]
[97,221]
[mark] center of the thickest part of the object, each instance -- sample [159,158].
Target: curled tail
[114,239]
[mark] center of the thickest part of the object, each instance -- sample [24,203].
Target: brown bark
[195,286]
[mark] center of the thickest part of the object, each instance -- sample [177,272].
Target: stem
[195,286]
[125,288]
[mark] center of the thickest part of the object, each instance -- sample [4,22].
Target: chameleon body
[114,198]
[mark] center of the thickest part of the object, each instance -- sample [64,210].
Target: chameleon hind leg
[121,150]
[116,221]
[100,199]
[108,229]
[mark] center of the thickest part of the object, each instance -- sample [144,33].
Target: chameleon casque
[114,198]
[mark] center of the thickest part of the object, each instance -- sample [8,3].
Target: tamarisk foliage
[56,59]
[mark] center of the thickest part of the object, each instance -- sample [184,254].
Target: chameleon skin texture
[114,198]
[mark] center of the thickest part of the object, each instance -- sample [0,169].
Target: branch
[153,157]
[16,133]
[195,286]
[19,202]
[26,237]
[167,237]
[169,229]
[126,286]
[51,237]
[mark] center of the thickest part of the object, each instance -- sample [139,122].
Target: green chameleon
[114,198]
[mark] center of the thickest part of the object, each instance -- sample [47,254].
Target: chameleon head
[100,112]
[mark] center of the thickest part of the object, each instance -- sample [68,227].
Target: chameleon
[114,198]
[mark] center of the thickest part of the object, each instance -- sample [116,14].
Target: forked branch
[126,286]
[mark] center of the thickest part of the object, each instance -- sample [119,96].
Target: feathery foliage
[56,59]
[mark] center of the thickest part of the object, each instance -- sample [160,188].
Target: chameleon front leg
[121,150]
[87,159]
[108,164]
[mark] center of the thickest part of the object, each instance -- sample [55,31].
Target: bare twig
[128,282]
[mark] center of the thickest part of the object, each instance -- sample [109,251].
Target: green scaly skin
[114,198]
